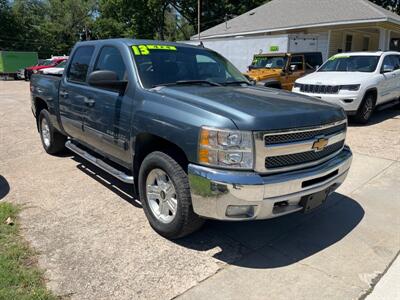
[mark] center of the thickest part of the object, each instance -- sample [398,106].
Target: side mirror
[108,80]
[387,69]
[294,68]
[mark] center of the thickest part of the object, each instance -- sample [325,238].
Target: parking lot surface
[94,241]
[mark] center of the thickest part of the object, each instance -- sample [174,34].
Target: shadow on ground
[4,187]
[281,241]
[379,116]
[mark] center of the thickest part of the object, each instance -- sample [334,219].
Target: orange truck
[280,70]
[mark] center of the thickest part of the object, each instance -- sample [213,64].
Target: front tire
[366,109]
[53,142]
[165,195]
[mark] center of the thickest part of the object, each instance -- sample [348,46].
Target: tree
[392,5]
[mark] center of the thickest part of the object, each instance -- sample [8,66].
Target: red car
[47,63]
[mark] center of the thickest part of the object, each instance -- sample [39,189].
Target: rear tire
[53,141]
[366,109]
[163,181]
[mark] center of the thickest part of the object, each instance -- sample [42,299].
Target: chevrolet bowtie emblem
[320,144]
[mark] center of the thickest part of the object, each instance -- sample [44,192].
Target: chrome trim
[213,190]
[302,146]
[262,151]
[99,163]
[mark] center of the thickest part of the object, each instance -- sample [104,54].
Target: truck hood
[263,74]
[257,108]
[334,78]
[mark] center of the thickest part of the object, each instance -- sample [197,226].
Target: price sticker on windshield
[145,49]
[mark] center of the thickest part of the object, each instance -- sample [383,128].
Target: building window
[349,43]
[365,43]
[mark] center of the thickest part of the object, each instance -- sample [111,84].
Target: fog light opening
[348,100]
[240,211]
[281,204]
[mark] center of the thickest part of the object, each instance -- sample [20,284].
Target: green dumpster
[12,61]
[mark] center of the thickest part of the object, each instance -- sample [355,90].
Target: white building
[328,26]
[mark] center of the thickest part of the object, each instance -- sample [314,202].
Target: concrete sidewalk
[388,287]
[94,241]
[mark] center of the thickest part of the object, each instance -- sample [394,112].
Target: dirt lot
[95,243]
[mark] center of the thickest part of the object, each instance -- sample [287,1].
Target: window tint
[344,63]
[80,64]
[166,66]
[297,60]
[110,59]
[390,63]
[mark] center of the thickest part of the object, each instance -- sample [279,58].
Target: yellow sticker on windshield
[339,56]
[145,49]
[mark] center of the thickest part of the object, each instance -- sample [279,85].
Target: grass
[20,278]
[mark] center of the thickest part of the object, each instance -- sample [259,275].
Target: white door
[388,90]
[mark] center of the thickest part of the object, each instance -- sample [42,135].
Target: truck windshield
[167,65]
[343,63]
[269,62]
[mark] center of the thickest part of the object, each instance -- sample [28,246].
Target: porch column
[383,39]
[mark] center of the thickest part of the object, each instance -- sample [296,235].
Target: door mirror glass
[294,68]
[108,80]
[387,69]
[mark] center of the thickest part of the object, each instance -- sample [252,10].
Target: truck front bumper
[234,195]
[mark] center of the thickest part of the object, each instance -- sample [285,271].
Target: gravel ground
[95,243]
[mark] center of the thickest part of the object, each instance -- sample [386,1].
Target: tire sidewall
[153,161]
[361,115]
[45,115]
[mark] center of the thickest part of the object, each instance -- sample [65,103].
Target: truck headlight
[350,87]
[226,148]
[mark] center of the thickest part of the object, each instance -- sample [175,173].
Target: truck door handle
[63,94]
[89,102]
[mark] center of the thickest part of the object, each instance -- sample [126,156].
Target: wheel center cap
[162,195]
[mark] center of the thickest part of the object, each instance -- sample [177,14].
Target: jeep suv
[280,70]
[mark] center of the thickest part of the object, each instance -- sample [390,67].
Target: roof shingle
[279,14]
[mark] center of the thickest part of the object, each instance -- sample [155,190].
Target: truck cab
[281,70]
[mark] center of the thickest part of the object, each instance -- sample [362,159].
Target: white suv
[357,81]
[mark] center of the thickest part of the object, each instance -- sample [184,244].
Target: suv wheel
[366,109]
[52,141]
[165,195]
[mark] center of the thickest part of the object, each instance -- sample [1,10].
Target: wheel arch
[145,143]
[39,105]
[271,83]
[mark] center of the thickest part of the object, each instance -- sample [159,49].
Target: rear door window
[80,62]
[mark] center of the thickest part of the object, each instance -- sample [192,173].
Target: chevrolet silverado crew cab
[357,81]
[280,70]
[187,130]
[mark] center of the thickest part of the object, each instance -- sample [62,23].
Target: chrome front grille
[319,89]
[302,135]
[301,158]
[299,148]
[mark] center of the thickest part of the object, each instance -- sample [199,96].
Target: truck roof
[287,53]
[367,53]
[132,42]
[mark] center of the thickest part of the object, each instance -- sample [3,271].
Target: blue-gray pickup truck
[190,133]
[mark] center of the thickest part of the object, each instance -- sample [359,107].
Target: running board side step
[99,163]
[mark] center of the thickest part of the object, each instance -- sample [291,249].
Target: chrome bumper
[270,196]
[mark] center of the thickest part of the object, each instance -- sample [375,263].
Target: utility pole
[198,17]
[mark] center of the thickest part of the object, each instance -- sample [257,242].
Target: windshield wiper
[182,82]
[236,82]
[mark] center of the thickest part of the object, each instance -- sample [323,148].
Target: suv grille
[319,89]
[301,158]
[302,135]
